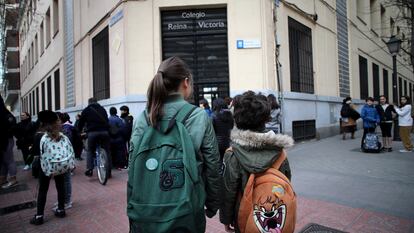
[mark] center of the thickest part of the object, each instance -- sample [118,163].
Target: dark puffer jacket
[252,153]
[223,124]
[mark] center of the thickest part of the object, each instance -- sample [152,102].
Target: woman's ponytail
[157,93]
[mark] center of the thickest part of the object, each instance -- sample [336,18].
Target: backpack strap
[181,116]
[280,160]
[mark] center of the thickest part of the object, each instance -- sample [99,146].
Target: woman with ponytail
[167,94]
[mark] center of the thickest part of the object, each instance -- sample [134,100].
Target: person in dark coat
[25,131]
[223,124]
[349,116]
[387,114]
[7,164]
[117,130]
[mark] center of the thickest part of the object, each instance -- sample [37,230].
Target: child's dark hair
[273,101]
[205,104]
[168,78]
[251,111]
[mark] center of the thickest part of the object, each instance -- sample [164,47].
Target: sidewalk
[337,186]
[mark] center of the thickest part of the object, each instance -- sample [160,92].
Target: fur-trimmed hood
[255,151]
[250,139]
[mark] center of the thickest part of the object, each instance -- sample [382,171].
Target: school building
[310,54]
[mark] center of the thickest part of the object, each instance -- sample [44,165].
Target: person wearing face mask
[387,114]
[370,118]
[405,122]
[349,116]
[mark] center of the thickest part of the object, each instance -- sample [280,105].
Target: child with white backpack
[56,159]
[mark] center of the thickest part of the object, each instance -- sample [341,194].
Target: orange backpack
[268,204]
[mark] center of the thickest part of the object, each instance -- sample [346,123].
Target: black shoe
[89,172]
[37,220]
[60,213]
[389,149]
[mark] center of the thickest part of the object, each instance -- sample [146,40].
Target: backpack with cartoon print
[57,157]
[268,203]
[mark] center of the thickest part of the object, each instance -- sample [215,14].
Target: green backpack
[167,193]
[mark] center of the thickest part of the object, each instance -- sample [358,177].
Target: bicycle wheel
[102,166]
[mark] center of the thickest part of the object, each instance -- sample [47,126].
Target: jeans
[44,187]
[68,187]
[95,138]
[8,165]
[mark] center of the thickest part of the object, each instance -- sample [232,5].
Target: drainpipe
[278,67]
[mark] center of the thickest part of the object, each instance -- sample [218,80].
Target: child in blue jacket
[370,117]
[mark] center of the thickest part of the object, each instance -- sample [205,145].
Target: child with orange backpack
[258,196]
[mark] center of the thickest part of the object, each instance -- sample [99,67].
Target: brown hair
[168,78]
[52,129]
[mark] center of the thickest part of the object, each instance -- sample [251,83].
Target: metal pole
[396,96]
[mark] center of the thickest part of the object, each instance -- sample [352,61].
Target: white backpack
[56,157]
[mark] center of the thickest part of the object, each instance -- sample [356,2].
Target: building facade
[111,49]
[10,57]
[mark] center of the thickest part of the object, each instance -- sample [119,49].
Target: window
[363,77]
[55,17]
[37,100]
[400,88]
[374,15]
[385,80]
[375,79]
[383,22]
[57,89]
[303,130]
[49,93]
[32,55]
[361,10]
[30,104]
[43,96]
[300,57]
[392,27]
[42,39]
[33,103]
[47,27]
[405,87]
[100,57]
[36,49]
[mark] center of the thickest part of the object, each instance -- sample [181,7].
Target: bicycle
[101,162]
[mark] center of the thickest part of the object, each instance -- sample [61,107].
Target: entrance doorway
[199,37]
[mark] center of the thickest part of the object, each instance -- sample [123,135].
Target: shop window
[43,96]
[405,87]
[400,88]
[100,56]
[34,103]
[301,60]
[363,77]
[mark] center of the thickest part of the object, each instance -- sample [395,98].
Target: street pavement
[337,186]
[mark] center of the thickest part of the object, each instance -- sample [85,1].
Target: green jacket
[201,131]
[253,152]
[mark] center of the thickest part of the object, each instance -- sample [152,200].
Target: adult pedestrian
[349,116]
[95,118]
[370,118]
[405,122]
[8,165]
[171,85]
[79,146]
[275,114]
[250,140]
[117,130]
[223,124]
[50,128]
[387,114]
[25,132]
[206,106]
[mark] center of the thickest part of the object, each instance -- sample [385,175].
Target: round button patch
[151,164]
